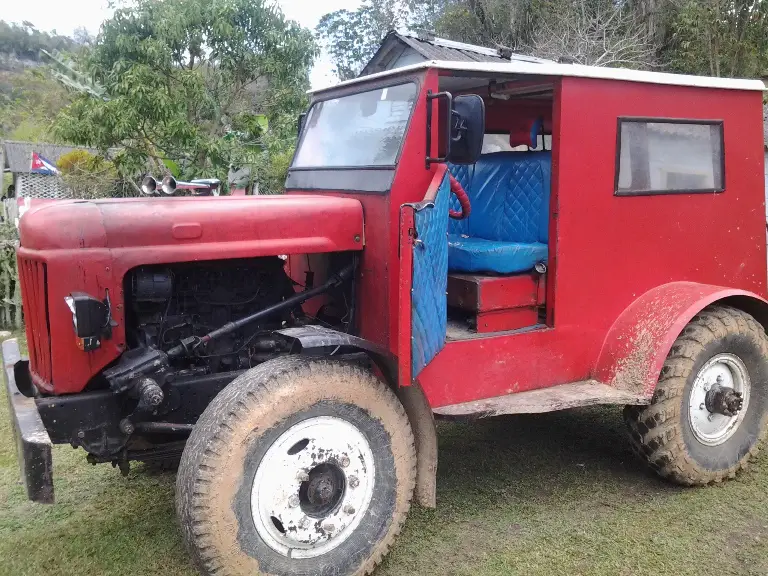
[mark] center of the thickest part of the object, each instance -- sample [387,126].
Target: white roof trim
[574,70]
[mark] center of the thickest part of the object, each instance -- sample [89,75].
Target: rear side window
[658,156]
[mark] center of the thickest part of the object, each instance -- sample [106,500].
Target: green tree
[30,100]
[352,37]
[602,32]
[719,38]
[24,41]
[186,81]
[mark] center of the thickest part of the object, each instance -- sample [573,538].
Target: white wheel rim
[328,452]
[711,428]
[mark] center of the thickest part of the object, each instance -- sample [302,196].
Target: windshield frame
[397,80]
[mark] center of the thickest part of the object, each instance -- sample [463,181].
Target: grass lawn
[551,494]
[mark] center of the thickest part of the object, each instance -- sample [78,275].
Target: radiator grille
[34,299]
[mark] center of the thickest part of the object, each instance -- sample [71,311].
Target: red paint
[187,231]
[486,293]
[407,230]
[90,246]
[606,252]
[619,267]
[507,319]
[499,303]
[637,344]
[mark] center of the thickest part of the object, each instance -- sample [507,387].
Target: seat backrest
[509,193]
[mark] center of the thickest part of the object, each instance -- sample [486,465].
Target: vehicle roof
[557,69]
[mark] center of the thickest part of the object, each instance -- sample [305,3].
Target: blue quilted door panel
[429,307]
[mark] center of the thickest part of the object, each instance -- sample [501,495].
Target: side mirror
[467,129]
[461,126]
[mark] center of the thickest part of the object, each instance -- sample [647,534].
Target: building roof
[18,155]
[432,48]
[549,68]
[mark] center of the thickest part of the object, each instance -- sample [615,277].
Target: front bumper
[33,445]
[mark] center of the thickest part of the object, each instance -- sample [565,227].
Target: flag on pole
[42,166]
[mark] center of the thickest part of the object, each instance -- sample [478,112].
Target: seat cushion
[479,255]
[509,193]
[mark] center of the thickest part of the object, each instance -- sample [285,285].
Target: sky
[64,17]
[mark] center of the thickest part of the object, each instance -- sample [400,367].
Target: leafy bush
[10,290]
[87,175]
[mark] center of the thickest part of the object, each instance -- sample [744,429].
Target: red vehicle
[460,239]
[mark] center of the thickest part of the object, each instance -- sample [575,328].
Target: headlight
[91,319]
[71,304]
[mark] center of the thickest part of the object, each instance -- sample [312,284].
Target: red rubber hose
[461,196]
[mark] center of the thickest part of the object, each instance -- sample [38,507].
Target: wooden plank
[574,395]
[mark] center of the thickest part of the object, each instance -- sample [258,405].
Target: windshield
[363,129]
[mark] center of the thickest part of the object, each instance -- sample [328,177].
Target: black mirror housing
[461,129]
[467,129]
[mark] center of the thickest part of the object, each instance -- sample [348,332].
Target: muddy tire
[297,467]
[693,432]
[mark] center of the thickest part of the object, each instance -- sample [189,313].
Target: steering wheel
[458,190]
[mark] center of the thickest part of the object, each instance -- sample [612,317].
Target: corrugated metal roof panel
[434,51]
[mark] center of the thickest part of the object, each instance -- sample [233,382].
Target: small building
[404,48]
[16,158]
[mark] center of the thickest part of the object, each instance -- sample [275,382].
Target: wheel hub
[723,400]
[718,399]
[313,487]
[323,491]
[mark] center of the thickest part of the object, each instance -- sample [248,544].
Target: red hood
[270,224]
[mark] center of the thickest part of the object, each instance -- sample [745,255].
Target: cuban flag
[42,166]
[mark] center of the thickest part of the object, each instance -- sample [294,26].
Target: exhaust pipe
[149,185]
[168,185]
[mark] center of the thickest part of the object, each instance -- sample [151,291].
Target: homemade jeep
[461,239]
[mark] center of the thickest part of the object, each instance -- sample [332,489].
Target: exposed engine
[169,304]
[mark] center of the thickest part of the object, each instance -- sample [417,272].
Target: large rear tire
[297,467]
[709,412]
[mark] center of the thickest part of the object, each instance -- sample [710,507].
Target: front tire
[709,412]
[298,467]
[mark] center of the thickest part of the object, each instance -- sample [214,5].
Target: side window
[657,156]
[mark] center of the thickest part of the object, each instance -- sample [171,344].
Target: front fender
[639,341]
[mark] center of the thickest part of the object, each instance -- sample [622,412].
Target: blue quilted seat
[507,230]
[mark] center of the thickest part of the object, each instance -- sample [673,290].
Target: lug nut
[344,462]
[293,501]
[719,379]
[354,482]
[328,527]
[302,476]
[702,406]
[348,509]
